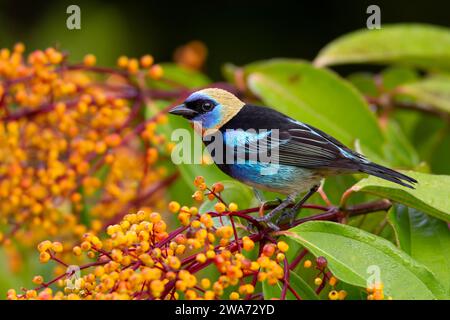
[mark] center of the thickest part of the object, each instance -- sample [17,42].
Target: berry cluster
[71,137]
[140,258]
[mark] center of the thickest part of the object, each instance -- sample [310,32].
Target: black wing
[302,145]
[296,143]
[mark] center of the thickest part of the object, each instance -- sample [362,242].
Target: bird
[305,154]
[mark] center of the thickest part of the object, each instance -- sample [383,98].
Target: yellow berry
[280,257]
[76,250]
[174,206]
[233,207]
[333,295]
[44,246]
[283,246]
[209,295]
[206,283]
[317,281]
[57,247]
[200,257]
[234,296]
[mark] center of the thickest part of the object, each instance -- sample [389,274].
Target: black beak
[181,110]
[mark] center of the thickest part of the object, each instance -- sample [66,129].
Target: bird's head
[211,107]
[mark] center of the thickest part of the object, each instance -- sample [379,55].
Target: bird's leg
[263,202]
[292,212]
[288,201]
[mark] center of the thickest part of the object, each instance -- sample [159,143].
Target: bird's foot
[266,204]
[287,215]
[266,223]
[281,205]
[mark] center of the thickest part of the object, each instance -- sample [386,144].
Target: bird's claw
[288,214]
[263,220]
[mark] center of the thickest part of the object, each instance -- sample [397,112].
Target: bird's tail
[387,174]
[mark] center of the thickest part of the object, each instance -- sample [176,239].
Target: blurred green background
[234,31]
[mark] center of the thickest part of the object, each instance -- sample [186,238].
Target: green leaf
[298,285]
[432,92]
[316,96]
[395,76]
[431,194]
[424,238]
[398,149]
[351,254]
[419,45]
[364,82]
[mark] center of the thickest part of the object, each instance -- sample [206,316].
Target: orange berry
[146,61]
[156,72]
[113,140]
[122,62]
[217,187]
[332,281]
[19,47]
[342,294]
[219,207]
[38,280]
[89,60]
[198,196]
[268,249]
[44,257]
[307,264]
[133,66]
[378,295]
[199,180]
[85,246]
[248,244]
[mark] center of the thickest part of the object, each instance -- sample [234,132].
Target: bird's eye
[207,106]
